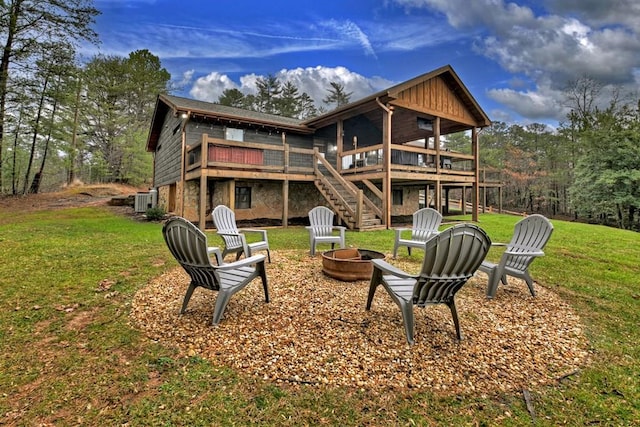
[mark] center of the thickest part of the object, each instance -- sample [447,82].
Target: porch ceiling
[404,126]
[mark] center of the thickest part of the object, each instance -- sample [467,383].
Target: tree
[307,108]
[337,95]
[581,97]
[117,109]
[145,78]
[269,89]
[232,98]
[289,101]
[54,68]
[607,175]
[22,24]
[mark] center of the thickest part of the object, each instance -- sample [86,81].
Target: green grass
[69,355]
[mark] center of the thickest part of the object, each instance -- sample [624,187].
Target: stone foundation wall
[266,199]
[410,202]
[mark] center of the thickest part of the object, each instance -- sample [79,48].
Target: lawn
[71,357]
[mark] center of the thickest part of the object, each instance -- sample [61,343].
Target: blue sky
[516,57]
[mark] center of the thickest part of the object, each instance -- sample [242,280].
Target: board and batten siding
[437,96]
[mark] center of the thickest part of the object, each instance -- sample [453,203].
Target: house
[369,160]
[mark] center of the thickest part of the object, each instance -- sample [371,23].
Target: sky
[516,58]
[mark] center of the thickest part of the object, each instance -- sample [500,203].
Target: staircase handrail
[354,189]
[336,193]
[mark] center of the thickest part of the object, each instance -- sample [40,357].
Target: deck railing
[238,155]
[407,158]
[226,154]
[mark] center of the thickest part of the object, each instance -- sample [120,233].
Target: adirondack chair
[189,247]
[322,229]
[530,236]
[450,260]
[235,241]
[425,225]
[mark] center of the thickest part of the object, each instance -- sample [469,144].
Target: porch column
[436,145]
[285,183]
[475,149]
[285,203]
[339,144]
[202,202]
[464,200]
[386,149]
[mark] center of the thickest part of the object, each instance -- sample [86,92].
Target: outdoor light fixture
[425,124]
[184,115]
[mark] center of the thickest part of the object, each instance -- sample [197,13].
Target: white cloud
[590,39]
[350,31]
[315,81]
[187,79]
[599,12]
[535,105]
[210,87]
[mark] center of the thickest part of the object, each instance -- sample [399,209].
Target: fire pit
[349,264]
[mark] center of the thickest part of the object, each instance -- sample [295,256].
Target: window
[397,197]
[243,198]
[234,134]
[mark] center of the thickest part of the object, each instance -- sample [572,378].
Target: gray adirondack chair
[189,247]
[530,236]
[425,225]
[450,260]
[322,231]
[235,241]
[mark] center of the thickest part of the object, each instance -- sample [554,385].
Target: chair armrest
[400,230]
[255,230]
[385,267]
[218,255]
[498,244]
[339,228]
[244,262]
[243,239]
[228,233]
[525,253]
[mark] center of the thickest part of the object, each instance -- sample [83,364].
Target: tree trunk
[620,216]
[73,153]
[37,178]
[4,71]
[36,127]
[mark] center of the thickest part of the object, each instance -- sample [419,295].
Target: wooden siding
[168,152]
[436,95]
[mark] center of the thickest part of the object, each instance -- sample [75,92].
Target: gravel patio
[315,331]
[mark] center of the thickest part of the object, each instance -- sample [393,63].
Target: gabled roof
[446,73]
[209,110]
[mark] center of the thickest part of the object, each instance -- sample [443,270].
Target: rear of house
[369,161]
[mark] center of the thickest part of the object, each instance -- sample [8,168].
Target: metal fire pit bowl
[349,264]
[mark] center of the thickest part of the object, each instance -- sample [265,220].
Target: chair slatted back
[530,234]
[224,219]
[321,219]
[425,223]
[188,244]
[450,261]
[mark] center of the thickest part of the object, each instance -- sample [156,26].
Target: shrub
[155,213]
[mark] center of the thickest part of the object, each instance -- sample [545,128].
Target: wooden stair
[355,210]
